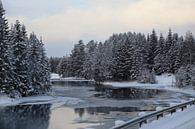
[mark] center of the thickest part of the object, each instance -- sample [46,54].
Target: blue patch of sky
[39,8]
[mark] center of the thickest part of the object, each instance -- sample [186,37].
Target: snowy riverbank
[165,80]
[179,120]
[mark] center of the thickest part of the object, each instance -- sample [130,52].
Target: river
[98,108]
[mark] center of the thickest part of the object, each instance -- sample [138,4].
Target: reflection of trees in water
[125,93]
[79,111]
[105,110]
[25,117]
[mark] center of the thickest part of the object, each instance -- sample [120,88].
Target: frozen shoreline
[164,82]
[6,101]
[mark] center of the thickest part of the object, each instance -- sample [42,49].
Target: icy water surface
[96,108]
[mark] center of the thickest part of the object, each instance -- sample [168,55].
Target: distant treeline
[128,56]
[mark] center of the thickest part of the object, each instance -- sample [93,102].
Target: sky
[62,23]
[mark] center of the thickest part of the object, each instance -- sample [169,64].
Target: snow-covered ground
[55,76]
[179,120]
[165,80]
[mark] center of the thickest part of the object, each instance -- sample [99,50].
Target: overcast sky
[62,23]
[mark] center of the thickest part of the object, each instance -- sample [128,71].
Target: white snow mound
[141,113]
[158,108]
[55,76]
[119,122]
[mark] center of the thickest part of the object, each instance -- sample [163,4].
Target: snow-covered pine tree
[178,50]
[159,61]
[38,66]
[54,62]
[174,53]
[64,67]
[140,54]
[99,67]
[77,59]
[186,76]
[8,79]
[123,60]
[108,59]
[45,69]
[189,48]
[88,66]
[153,41]
[18,40]
[34,64]
[169,47]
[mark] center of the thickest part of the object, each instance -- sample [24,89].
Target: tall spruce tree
[178,50]
[189,48]
[38,67]
[45,69]
[88,66]
[99,67]
[64,67]
[153,41]
[8,79]
[77,59]
[160,62]
[169,46]
[18,39]
[54,62]
[123,62]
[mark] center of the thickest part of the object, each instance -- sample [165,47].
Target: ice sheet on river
[6,101]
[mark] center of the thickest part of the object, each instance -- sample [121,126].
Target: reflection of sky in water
[59,117]
[65,118]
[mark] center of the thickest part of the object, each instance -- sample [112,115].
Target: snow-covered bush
[147,77]
[185,76]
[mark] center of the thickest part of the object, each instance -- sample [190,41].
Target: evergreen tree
[45,69]
[18,39]
[54,62]
[88,66]
[108,59]
[178,50]
[140,54]
[123,61]
[77,59]
[8,79]
[189,48]
[153,41]
[99,67]
[169,47]
[38,67]
[64,67]
[160,59]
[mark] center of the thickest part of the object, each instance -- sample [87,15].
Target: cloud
[98,19]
